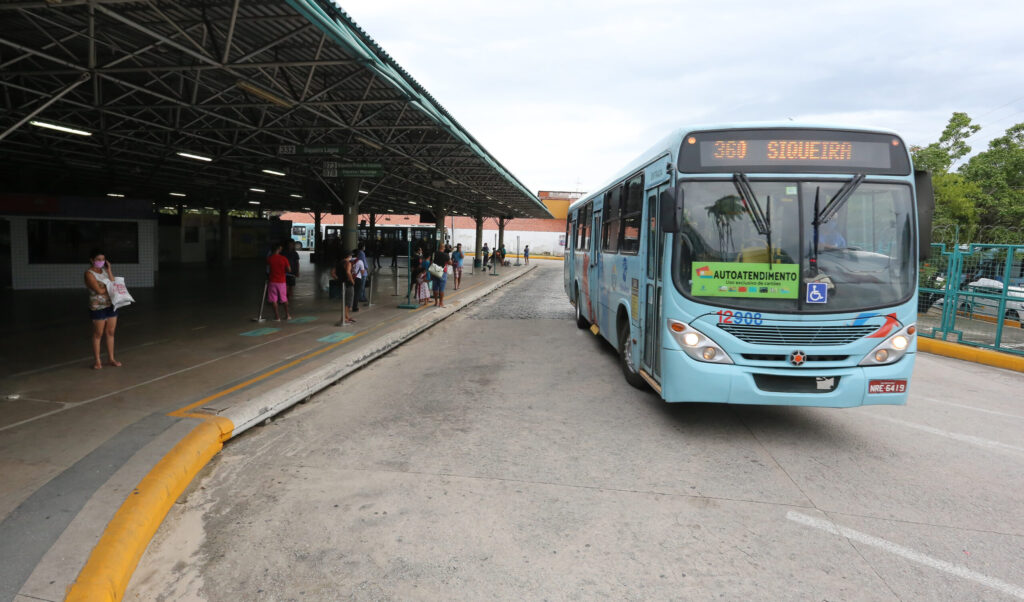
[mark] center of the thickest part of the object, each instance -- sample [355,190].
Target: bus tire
[581,322]
[626,358]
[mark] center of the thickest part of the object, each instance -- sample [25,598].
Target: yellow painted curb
[971,354]
[110,566]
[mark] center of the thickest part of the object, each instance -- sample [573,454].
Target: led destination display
[766,153]
[794,150]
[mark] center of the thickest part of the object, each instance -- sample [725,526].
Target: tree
[999,175]
[952,146]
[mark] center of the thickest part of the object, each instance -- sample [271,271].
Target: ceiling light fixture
[370,143]
[257,190]
[364,192]
[115,195]
[266,95]
[193,156]
[177,194]
[254,202]
[60,128]
[295,196]
[273,172]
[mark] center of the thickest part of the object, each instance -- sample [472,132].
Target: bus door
[650,327]
[593,270]
[569,254]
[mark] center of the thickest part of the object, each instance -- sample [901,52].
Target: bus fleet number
[739,317]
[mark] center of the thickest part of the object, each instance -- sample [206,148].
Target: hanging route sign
[336,169]
[320,149]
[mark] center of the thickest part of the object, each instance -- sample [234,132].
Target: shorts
[458,271]
[439,283]
[278,292]
[102,314]
[289,279]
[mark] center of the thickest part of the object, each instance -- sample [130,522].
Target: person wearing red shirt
[277,287]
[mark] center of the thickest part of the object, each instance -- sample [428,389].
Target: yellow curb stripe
[971,354]
[110,566]
[989,319]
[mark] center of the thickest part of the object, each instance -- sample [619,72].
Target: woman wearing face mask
[101,310]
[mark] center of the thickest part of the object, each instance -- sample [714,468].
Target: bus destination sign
[794,150]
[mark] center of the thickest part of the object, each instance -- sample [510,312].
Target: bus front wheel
[626,359]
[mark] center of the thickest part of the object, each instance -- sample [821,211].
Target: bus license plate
[887,386]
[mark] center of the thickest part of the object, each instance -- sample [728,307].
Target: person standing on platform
[343,271]
[292,255]
[277,287]
[358,280]
[457,258]
[502,254]
[526,254]
[484,253]
[444,260]
[101,309]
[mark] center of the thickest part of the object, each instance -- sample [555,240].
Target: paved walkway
[74,441]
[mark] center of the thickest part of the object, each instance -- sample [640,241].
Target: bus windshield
[765,253]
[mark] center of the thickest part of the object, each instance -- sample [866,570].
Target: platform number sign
[817,292]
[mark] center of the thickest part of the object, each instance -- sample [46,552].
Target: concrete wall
[540,242]
[25,275]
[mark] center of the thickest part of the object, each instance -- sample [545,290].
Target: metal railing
[974,294]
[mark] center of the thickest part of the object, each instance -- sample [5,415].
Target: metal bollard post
[369,298]
[342,322]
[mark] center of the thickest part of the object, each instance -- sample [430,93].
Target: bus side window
[632,209]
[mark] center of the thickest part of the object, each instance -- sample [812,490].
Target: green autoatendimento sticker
[750,280]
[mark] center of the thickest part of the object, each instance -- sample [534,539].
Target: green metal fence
[974,294]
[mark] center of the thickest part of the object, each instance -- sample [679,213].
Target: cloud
[560,91]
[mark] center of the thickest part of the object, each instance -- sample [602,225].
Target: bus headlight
[891,349]
[696,344]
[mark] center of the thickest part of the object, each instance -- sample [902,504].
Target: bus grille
[797,335]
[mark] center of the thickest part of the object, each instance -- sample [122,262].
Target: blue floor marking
[334,338]
[302,320]
[260,332]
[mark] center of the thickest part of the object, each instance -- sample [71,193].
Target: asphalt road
[501,456]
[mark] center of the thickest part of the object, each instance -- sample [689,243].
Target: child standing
[422,290]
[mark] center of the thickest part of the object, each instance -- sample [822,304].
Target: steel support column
[479,219]
[350,205]
[225,235]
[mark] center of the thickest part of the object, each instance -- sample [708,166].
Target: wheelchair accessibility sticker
[817,292]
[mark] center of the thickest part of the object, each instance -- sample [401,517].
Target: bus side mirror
[925,211]
[671,209]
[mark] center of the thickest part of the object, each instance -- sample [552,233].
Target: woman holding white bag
[104,315]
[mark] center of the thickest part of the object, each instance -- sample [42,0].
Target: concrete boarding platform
[74,442]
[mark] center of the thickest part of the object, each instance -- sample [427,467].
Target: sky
[565,94]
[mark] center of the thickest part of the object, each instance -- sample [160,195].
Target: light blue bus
[760,264]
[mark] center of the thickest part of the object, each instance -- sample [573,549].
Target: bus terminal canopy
[283,102]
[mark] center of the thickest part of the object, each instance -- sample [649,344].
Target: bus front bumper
[687,380]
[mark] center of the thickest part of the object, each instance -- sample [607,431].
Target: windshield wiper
[836,202]
[831,208]
[750,203]
[762,221]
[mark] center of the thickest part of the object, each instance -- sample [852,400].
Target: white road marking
[75,404]
[912,555]
[980,442]
[966,407]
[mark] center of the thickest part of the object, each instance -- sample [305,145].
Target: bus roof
[670,144]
